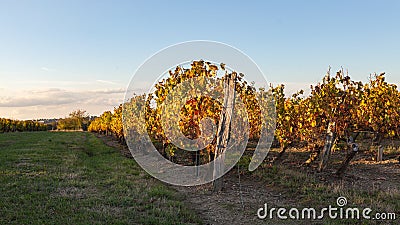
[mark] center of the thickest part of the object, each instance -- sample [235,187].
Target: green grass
[305,190]
[73,178]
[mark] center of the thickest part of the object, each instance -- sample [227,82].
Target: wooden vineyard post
[223,130]
[376,142]
[354,149]
[326,151]
[379,156]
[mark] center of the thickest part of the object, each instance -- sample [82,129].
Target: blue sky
[57,56]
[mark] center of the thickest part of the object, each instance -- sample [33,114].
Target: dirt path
[238,202]
[243,195]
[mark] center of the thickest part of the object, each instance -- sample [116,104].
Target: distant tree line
[9,125]
[77,120]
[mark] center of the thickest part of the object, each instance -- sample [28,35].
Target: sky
[58,56]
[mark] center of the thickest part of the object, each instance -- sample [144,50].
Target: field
[81,178]
[73,178]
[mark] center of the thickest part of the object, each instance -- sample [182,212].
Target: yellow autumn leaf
[313,123]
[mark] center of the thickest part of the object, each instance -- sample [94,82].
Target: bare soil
[244,192]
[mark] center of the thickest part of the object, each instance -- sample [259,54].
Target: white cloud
[110,91]
[106,82]
[47,69]
[55,102]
